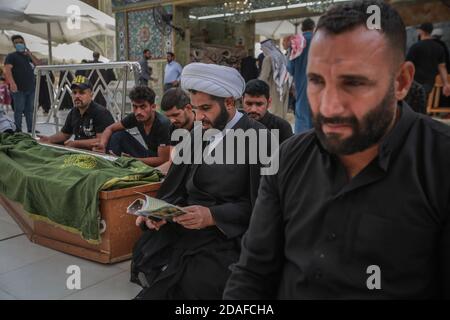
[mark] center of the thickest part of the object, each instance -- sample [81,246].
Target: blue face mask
[20,47]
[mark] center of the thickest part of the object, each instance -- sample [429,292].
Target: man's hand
[99,147]
[13,87]
[43,139]
[152,225]
[197,217]
[70,143]
[446,90]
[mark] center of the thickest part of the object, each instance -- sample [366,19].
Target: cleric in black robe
[360,206]
[190,258]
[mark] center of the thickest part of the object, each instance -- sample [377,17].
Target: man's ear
[230,103]
[404,79]
[269,103]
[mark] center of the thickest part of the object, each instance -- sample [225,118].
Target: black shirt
[313,233]
[22,70]
[94,120]
[159,134]
[426,56]
[271,121]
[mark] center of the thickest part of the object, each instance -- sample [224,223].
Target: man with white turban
[189,257]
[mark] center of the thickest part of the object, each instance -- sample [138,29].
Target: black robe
[178,263]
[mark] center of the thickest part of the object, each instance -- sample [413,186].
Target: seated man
[153,127]
[256,103]
[86,121]
[189,258]
[176,106]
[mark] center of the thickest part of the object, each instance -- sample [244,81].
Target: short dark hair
[174,97]
[171,53]
[427,27]
[145,51]
[308,24]
[96,54]
[344,17]
[16,36]
[142,93]
[257,88]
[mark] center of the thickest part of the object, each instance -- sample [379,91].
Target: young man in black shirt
[360,206]
[153,127]
[428,57]
[256,103]
[86,121]
[19,72]
[177,107]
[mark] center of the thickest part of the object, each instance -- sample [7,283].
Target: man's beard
[222,119]
[366,133]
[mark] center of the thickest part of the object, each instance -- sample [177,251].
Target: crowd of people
[363,182]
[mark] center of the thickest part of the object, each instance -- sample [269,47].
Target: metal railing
[114,92]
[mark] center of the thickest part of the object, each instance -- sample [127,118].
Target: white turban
[215,80]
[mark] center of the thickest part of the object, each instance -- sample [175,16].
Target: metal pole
[49,37]
[124,91]
[36,102]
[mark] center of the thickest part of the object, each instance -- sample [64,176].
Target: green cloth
[61,185]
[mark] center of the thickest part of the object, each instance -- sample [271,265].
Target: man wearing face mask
[19,66]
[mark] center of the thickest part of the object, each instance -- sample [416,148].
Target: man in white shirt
[172,72]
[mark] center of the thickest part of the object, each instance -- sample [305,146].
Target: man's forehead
[358,42]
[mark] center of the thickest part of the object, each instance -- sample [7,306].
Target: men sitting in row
[153,127]
[86,121]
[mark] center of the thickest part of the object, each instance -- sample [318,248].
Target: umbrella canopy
[53,20]
[69,53]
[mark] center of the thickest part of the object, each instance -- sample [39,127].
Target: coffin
[118,235]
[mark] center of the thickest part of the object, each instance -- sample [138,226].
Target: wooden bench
[434,97]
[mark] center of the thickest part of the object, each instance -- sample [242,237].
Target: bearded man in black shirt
[257,102]
[360,206]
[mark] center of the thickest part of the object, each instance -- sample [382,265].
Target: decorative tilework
[121,36]
[144,32]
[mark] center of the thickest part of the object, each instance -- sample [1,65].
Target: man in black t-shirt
[86,121]
[19,73]
[429,60]
[256,103]
[153,127]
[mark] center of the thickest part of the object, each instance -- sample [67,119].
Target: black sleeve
[441,55]
[10,59]
[103,119]
[256,275]
[129,121]
[285,131]
[411,56]
[164,134]
[445,257]
[68,129]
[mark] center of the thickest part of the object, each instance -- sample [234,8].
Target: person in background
[257,101]
[146,71]
[19,73]
[297,68]
[249,70]
[275,74]
[428,58]
[172,72]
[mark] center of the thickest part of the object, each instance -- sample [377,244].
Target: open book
[153,208]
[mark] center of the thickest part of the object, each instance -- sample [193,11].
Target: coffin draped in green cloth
[62,185]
